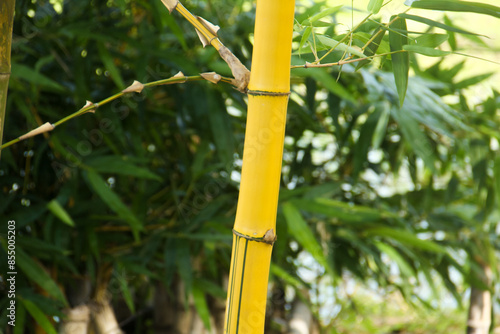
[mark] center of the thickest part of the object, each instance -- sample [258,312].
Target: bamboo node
[209,25]
[90,104]
[268,238]
[266,93]
[180,75]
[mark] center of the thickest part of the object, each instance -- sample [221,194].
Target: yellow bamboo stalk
[255,223]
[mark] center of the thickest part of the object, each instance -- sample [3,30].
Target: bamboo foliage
[6,22]
[255,225]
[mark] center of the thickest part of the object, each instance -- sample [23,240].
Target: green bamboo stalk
[6,23]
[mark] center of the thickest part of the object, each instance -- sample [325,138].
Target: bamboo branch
[343,62]
[207,32]
[345,37]
[136,87]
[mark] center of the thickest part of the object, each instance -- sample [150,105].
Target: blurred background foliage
[138,199]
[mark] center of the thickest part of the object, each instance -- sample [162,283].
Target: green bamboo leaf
[298,227]
[200,303]
[211,288]
[406,238]
[122,165]
[135,265]
[430,52]
[343,211]
[364,142]
[401,60]
[285,276]
[436,24]
[325,79]
[20,319]
[415,137]
[110,66]
[497,180]
[372,47]
[47,250]
[198,164]
[305,37]
[183,263]
[374,6]
[426,269]
[321,15]
[381,128]
[431,40]
[220,125]
[452,40]
[332,43]
[37,314]
[405,268]
[37,274]
[472,80]
[127,295]
[172,25]
[60,212]
[19,71]
[456,6]
[113,202]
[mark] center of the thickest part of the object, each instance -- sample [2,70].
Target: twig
[207,32]
[343,62]
[137,87]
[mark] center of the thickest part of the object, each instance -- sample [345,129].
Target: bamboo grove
[192,216]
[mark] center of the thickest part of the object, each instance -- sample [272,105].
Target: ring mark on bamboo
[268,238]
[266,93]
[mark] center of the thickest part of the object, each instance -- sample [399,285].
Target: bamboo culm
[255,225]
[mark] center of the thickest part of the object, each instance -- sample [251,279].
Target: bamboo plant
[254,228]
[6,22]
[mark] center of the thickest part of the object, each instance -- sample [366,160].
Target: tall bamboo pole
[255,223]
[6,22]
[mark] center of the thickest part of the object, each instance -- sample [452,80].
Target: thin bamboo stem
[255,222]
[6,24]
[344,61]
[207,32]
[91,107]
